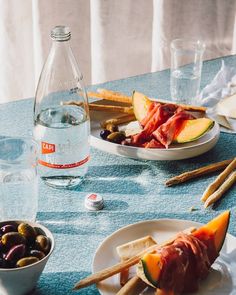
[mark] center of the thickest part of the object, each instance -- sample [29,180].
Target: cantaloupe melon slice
[193,129]
[141,104]
[219,226]
[149,267]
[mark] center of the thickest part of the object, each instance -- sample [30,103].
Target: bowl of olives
[24,251]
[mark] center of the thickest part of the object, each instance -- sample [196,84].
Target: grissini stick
[218,181]
[198,172]
[221,190]
[111,271]
[186,107]
[119,97]
[124,276]
[111,97]
[111,108]
[133,287]
[103,107]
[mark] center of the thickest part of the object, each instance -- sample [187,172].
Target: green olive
[43,244]
[26,261]
[13,238]
[27,231]
[112,127]
[116,137]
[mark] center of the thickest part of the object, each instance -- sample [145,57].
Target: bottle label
[64,166]
[63,148]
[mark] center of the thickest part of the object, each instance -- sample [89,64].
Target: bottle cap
[94,202]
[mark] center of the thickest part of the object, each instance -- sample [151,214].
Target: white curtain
[111,39]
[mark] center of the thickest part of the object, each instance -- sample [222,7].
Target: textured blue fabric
[133,190]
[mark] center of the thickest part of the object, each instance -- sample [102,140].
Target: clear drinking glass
[186,67]
[18,179]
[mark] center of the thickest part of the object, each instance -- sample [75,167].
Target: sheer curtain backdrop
[111,39]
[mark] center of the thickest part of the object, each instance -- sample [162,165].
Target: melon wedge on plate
[141,104]
[150,266]
[192,129]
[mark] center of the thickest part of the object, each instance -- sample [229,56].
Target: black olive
[8,228]
[104,134]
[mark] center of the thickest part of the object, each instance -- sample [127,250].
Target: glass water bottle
[61,128]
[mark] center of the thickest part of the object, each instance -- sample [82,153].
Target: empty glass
[18,179]
[186,67]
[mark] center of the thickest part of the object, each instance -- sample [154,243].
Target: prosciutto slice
[185,262]
[157,115]
[153,144]
[150,112]
[166,133]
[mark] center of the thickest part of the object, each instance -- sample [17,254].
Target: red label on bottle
[48,148]
[63,166]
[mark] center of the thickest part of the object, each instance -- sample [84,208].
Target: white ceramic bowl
[20,281]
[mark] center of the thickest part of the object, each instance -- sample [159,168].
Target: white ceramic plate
[175,152]
[221,280]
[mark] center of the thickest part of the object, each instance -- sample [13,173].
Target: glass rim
[29,141]
[181,44]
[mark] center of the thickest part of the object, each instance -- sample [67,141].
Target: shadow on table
[116,179]
[61,283]
[116,170]
[222,151]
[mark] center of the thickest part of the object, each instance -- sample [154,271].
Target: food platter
[221,280]
[174,152]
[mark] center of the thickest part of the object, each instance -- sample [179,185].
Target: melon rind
[141,104]
[194,129]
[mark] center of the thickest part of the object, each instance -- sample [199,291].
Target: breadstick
[133,287]
[111,92]
[110,108]
[222,189]
[198,172]
[112,270]
[111,97]
[219,180]
[186,107]
[124,276]
[103,107]
[190,108]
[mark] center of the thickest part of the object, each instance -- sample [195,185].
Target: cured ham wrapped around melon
[156,116]
[168,131]
[165,123]
[179,266]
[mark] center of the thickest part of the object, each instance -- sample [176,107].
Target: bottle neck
[60,50]
[62,58]
[60,44]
